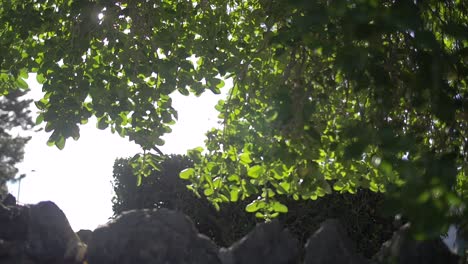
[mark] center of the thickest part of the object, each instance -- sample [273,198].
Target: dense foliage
[164,188]
[359,213]
[14,117]
[327,95]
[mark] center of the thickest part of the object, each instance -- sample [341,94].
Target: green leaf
[271,115]
[139,178]
[217,183]
[102,123]
[183,91]
[208,192]
[255,171]
[259,215]
[195,154]
[194,190]
[245,158]
[151,161]
[197,149]
[21,83]
[284,187]
[279,172]
[40,78]
[255,206]
[279,207]
[220,105]
[373,186]
[220,84]
[159,141]
[187,173]
[234,193]
[234,178]
[24,73]
[268,192]
[60,143]
[216,206]
[224,198]
[338,186]
[75,132]
[39,119]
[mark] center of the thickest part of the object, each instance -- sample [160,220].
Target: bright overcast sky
[78,178]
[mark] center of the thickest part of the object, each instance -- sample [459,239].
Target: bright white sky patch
[78,178]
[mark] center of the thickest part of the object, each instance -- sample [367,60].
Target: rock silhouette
[40,234]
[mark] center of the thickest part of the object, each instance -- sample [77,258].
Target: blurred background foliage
[14,118]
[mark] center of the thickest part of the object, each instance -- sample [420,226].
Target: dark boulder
[402,249]
[266,243]
[13,234]
[38,234]
[331,245]
[50,235]
[14,222]
[9,200]
[150,236]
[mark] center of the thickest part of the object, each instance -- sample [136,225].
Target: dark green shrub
[359,213]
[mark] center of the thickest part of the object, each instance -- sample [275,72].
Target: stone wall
[40,233]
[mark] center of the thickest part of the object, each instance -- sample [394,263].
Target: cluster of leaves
[359,213]
[14,115]
[116,60]
[327,95]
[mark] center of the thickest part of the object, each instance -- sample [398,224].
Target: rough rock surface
[38,234]
[9,200]
[401,249]
[41,234]
[266,243]
[50,234]
[85,235]
[151,236]
[331,245]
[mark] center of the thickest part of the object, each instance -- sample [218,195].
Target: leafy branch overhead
[327,95]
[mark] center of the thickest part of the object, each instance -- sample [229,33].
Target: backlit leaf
[255,171]
[187,173]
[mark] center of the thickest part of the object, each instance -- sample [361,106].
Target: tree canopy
[327,95]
